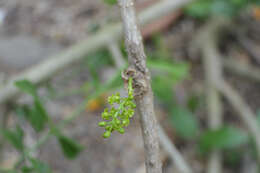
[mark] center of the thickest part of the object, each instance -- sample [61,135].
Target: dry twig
[141,81]
[213,73]
[116,54]
[244,70]
[174,154]
[232,96]
[245,112]
[166,143]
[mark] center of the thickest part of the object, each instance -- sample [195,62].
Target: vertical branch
[116,54]
[174,154]
[166,143]
[213,74]
[245,112]
[141,81]
[4,115]
[212,71]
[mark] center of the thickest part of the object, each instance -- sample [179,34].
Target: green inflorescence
[118,117]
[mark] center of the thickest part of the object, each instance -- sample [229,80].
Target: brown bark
[141,81]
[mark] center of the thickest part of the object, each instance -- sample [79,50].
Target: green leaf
[114,82]
[222,7]
[256,2]
[193,102]
[95,62]
[39,166]
[184,122]
[26,86]
[205,8]
[110,2]
[36,116]
[26,169]
[223,138]
[177,71]
[199,8]
[70,148]
[161,50]
[163,89]
[39,115]
[14,137]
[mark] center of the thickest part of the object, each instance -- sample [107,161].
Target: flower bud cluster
[118,117]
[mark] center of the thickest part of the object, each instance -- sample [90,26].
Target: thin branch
[173,152]
[245,112]
[249,46]
[166,143]
[232,96]
[213,73]
[244,70]
[141,81]
[56,63]
[4,114]
[116,54]
[213,104]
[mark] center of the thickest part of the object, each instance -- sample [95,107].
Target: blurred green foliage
[184,123]
[70,148]
[165,72]
[26,86]
[14,137]
[38,118]
[110,2]
[96,62]
[222,138]
[206,8]
[165,75]
[161,50]
[37,167]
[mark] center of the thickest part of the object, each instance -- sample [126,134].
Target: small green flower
[107,134]
[118,116]
[121,130]
[102,124]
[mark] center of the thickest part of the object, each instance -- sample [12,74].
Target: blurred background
[61,59]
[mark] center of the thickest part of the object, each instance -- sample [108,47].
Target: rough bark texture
[141,81]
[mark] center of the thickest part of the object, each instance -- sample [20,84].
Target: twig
[245,70]
[249,165]
[141,82]
[3,123]
[243,110]
[174,154]
[233,97]
[116,54]
[249,46]
[213,72]
[53,64]
[166,143]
